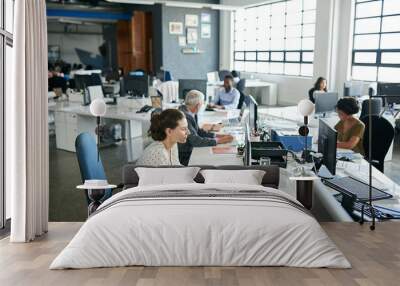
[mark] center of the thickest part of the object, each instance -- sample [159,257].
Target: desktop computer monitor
[136,86]
[253,113]
[83,81]
[212,77]
[186,85]
[325,102]
[390,91]
[327,139]
[247,147]
[353,88]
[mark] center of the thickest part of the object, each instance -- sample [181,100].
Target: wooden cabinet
[134,40]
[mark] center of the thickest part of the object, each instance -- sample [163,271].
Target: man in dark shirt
[197,137]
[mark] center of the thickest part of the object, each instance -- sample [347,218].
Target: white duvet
[190,231]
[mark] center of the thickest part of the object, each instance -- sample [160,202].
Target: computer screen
[83,81]
[213,77]
[327,138]
[186,85]
[389,90]
[354,88]
[253,113]
[136,85]
[325,101]
[247,154]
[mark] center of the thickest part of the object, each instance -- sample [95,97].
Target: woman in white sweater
[167,129]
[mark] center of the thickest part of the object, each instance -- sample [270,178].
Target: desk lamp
[98,108]
[305,108]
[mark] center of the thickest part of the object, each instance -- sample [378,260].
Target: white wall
[331,52]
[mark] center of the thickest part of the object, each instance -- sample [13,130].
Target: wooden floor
[375,257]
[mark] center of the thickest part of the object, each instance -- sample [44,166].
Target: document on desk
[224,150]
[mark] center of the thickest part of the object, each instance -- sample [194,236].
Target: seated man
[197,137]
[227,97]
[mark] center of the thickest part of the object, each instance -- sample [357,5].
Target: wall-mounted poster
[191,35]
[176,28]
[206,31]
[205,18]
[182,41]
[191,20]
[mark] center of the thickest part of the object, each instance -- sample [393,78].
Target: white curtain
[27,127]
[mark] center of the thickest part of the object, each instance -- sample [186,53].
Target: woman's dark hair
[348,105]
[235,73]
[161,121]
[318,83]
[228,76]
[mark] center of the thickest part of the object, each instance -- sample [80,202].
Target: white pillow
[248,177]
[166,176]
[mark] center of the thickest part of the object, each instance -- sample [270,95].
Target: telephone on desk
[145,109]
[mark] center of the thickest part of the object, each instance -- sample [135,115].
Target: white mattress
[189,231]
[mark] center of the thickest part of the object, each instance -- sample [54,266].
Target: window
[376,41]
[6,43]
[275,38]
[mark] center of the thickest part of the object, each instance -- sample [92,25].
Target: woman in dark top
[320,85]
[350,129]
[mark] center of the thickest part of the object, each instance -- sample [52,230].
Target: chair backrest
[90,167]
[223,73]
[167,76]
[241,85]
[382,138]
[376,107]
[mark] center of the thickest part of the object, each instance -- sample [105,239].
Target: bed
[198,224]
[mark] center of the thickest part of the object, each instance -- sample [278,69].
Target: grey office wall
[189,66]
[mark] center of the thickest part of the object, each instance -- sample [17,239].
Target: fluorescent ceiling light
[141,2]
[181,4]
[70,21]
[184,4]
[224,7]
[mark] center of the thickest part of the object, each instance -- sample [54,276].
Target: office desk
[72,118]
[284,116]
[325,206]
[266,93]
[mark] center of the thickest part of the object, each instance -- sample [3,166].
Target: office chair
[241,85]
[90,167]
[382,138]
[376,107]
[223,73]
[167,76]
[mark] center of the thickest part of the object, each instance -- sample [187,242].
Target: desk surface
[249,83]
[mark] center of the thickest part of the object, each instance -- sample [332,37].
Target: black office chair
[241,85]
[223,73]
[376,107]
[382,138]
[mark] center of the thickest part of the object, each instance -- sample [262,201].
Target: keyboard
[356,189]
[357,208]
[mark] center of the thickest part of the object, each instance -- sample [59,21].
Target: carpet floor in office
[69,204]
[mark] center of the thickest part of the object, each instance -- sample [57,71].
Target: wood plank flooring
[375,257]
